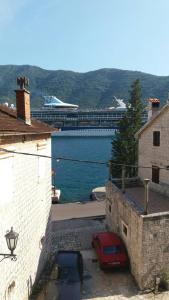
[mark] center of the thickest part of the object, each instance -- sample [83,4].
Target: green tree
[124,144]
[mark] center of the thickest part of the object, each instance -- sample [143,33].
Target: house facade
[143,223]
[25,195]
[153,140]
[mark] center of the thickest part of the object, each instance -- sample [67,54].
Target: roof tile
[10,123]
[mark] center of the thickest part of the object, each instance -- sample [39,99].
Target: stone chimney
[23,101]
[154,107]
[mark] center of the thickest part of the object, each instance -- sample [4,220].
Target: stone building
[153,148]
[25,195]
[145,228]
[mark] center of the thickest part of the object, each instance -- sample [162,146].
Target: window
[156,138]
[111,249]
[124,229]
[155,174]
[109,208]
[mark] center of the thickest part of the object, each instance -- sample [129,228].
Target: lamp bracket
[11,256]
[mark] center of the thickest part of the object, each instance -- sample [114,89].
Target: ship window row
[45,116]
[34,113]
[75,119]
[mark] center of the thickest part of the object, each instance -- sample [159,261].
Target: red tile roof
[10,123]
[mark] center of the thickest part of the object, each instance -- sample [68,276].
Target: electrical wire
[108,163]
[55,158]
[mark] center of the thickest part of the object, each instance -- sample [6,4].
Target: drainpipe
[146,183]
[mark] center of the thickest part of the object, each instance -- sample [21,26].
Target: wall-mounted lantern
[11,240]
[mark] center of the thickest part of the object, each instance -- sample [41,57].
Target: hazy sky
[84,35]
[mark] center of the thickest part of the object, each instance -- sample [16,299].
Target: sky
[85,35]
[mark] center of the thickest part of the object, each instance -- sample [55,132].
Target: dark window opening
[125,229]
[156,138]
[109,208]
[155,104]
[155,174]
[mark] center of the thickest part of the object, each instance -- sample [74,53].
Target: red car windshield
[111,250]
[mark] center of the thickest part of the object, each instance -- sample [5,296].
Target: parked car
[70,274]
[110,250]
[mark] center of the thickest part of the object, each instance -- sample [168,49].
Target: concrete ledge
[77,210]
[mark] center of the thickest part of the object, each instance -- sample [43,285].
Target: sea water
[77,179]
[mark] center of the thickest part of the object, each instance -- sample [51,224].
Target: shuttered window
[155,174]
[156,138]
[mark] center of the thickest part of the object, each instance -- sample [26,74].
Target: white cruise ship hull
[86,132]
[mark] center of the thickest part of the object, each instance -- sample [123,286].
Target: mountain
[90,89]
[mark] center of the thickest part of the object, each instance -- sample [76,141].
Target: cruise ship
[73,121]
[53,102]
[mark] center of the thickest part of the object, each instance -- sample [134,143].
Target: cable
[81,161]
[55,158]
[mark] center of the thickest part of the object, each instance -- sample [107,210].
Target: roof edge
[151,120]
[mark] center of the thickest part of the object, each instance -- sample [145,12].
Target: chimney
[154,106]
[23,101]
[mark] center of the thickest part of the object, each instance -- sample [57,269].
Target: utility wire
[80,160]
[55,158]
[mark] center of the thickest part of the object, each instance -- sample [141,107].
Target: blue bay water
[76,180]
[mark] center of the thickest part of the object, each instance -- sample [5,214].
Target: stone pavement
[71,228]
[111,285]
[75,234]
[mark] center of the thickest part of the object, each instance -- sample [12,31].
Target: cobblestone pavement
[75,234]
[117,285]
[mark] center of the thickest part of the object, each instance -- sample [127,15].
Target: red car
[110,250]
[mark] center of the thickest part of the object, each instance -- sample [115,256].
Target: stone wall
[25,201]
[155,248]
[146,236]
[123,214]
[155,155]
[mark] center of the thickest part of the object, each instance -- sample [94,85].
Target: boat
[55,195]
[86,132]
[54,102]
[70,120]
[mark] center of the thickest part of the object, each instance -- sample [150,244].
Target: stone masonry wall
[25,201]
[122,213]
[155,155]
[155,248]
[147,239]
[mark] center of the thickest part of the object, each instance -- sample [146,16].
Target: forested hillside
[91,89]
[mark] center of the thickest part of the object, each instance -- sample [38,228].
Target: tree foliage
[124,144]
